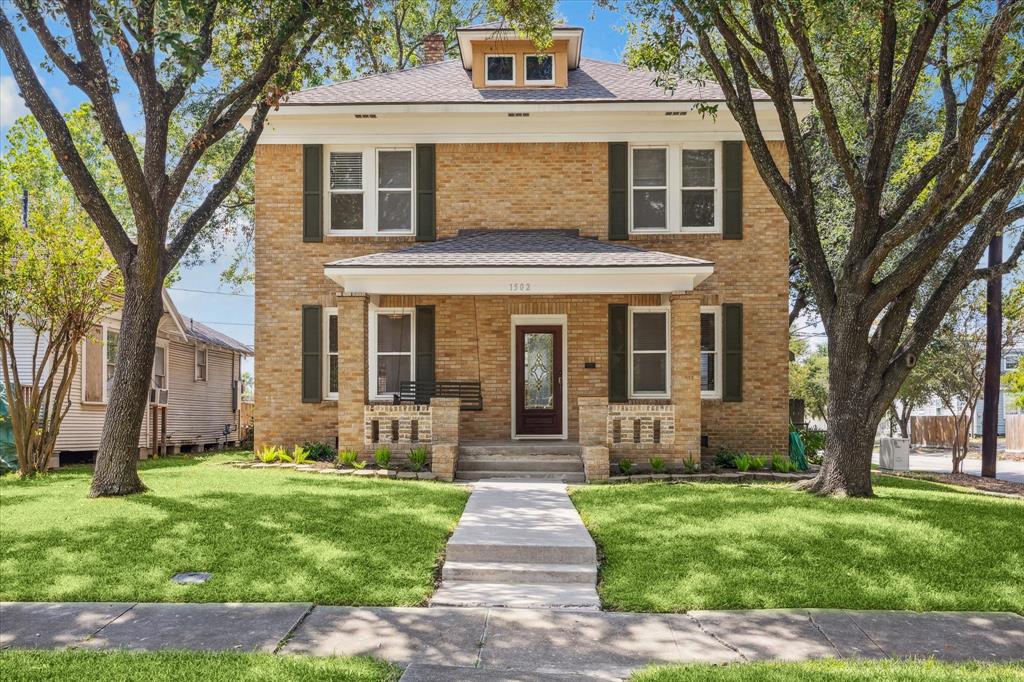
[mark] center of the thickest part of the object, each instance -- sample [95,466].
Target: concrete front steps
[519,544]
[540,460]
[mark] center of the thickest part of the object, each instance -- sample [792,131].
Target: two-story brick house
[576,252]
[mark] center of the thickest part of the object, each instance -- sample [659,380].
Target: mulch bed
[988,485]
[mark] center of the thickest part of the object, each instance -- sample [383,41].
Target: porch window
[200,363]
[330,344]
[648,348]
[111,354]
[392,350]
[698,189]
[650,188]
[394,190]
[540,69]
[346,190]
[710,352]
[501,69]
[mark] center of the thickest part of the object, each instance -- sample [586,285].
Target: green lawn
[179,665]
[266,535]
[916,545]
[834,671]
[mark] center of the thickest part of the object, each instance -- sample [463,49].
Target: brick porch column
[594,437]
[444,435]
[352,316]
[686,374]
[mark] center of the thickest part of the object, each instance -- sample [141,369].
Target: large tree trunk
[116,470]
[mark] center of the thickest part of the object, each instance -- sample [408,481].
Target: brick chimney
[433,48]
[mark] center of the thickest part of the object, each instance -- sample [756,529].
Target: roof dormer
[499,57]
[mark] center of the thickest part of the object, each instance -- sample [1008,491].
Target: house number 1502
[519,286]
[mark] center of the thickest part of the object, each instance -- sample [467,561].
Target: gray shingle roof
[200,332]
[518,249]
[447,82]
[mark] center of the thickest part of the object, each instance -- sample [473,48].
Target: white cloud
[12,106]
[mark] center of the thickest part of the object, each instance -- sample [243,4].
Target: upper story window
[370,190]
[500,69]
[201,357]
[160,367]
[540,69]
[650,188]
[676,188]
[648,350]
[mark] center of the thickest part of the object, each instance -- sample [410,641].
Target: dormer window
[501,69]
[540,69]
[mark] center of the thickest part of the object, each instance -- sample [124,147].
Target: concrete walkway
[520,543]
[510,644]
[942,462]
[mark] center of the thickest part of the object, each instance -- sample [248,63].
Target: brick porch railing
[613,431]
[404,427]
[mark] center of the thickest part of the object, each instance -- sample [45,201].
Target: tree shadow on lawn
[916,545]
[292,537]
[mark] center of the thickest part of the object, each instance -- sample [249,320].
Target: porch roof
[519,262]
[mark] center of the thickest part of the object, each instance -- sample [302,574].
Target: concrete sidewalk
[499,643]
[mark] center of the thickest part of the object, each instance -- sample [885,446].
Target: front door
[539,391]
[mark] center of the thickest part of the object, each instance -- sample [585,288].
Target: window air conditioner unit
[158,396]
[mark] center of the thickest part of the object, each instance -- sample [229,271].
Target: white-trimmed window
[201,358]
[113,337]
[394,190]
[539,69]
[370,190]
[649,180]
[500,69]
[160,366]
[392,355]
[330,344]
[649,363]
[711,352]
[676,188]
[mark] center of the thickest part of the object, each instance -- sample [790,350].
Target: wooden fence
[245,422]
[933,431]
[1015,433]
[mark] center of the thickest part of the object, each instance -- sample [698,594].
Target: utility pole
[993,360]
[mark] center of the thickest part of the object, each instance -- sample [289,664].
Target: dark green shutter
[425,193]
[732,352]
[732,190]
[312,193]
[312,365]
[618,190]
[618,355]
[234,395]
[424,343]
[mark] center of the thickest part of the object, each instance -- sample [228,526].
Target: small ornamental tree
[915,230]
[57,280]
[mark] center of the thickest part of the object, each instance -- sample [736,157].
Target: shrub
[348,458]
[757,462]
[691,467]
[321,452]
[417,458]
[657,465]
[625,466]
[283,456]
[268,453]
[782,464]
[726,458]
[300,455]
[383,457]
[744,462]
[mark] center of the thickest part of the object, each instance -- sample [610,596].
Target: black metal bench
[420,393]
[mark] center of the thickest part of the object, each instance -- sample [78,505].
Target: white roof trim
[499,281]
[172,310]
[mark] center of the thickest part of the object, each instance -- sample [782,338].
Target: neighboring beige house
[193,399]
[578,255]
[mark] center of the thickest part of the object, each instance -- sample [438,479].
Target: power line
[204,291]
[235,324]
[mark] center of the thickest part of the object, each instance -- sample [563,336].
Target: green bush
[300,455]
[269,453]
[417,458]
[743,462]
[726,458]
[691,467]
[348,458]
[782,464]
[321,452]
[383,457]
[625,466]
[657,465]
[757,463]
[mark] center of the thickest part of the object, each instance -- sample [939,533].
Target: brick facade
[549,185]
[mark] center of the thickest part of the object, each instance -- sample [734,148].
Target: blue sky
[199,293]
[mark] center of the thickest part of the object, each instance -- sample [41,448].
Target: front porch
[544,335]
